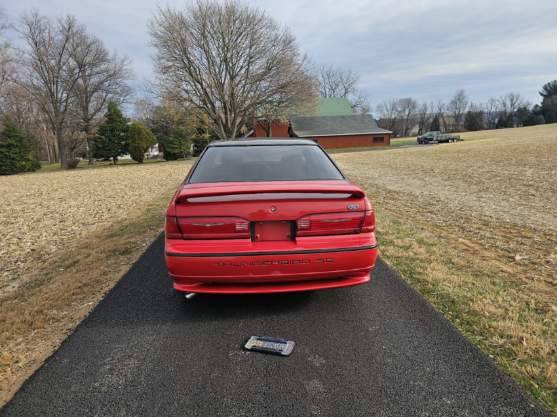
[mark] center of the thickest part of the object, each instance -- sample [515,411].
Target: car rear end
[292,224]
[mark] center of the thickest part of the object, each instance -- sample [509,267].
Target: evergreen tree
[15,150]
[112,136]
[474,120]
[178,145]
[535,118]
[522,114]
[140,139]
[549,102]
[504,122]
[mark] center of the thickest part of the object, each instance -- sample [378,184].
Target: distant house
[277,128]
[355,130]
[281,128]
[152,152]
[334,126]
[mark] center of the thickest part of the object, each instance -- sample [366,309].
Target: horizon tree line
[406,116]
[56,88]
[219,66]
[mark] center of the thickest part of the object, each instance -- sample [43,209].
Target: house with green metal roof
[334,126]
[346,131]
[335,106]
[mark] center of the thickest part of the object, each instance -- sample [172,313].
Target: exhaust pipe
[189,295]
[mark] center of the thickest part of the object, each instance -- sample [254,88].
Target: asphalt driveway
[373,350]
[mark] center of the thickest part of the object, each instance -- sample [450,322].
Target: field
[473,226]
[67,238]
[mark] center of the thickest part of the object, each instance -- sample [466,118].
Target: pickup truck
[437,137]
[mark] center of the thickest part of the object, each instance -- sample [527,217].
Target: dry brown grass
[69,236]
[42,214]
[473,225]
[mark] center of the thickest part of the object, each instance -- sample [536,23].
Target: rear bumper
[269,267]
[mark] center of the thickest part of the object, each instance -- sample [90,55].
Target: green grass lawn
[395,143]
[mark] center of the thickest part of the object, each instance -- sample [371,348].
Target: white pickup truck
[437,137]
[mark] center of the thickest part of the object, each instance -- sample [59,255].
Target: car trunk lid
[266,211]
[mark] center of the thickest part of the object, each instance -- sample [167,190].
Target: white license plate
[271,345]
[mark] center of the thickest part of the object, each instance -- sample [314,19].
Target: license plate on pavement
[271,345]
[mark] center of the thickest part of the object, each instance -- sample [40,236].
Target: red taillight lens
[330,224]
[171,228]
[336,223]
[213,227]
[368,223]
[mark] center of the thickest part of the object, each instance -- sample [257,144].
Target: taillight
[336,223]
[368,223]
[171,228]
[213,227]
[330,224]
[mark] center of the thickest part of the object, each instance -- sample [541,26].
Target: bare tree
[6,65]
[360,104]
[336,82]
[102,79]
[6,58]
[51,72]
[425,115]
[457,108]
[15,101]
[407,113]
[440,110]
[340,82]
[508,106]
[398,115]
[387,113]
[299,98]
[226,59]
[491,111]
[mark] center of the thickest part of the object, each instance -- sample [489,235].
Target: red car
[267,216]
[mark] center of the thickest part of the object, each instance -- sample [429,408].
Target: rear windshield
[264,163]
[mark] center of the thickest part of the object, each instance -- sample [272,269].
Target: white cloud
[426,48]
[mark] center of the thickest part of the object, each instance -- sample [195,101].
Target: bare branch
[50,72]
[336,82]
[229,60]
[457,108]
[102,79]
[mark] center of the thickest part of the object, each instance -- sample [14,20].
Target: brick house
[278,129]
[334,126]
[355,130]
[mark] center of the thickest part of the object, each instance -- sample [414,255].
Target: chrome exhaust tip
[189,295]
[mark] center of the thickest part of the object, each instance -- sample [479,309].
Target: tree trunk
[114,160]
[47,147]
[90,144]
[55,153]
[90,138]
[61,148]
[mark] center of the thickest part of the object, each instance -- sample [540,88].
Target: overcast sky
[421,48]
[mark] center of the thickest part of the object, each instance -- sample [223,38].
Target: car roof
[261,142]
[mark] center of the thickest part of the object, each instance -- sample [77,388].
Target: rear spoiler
[187,193]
